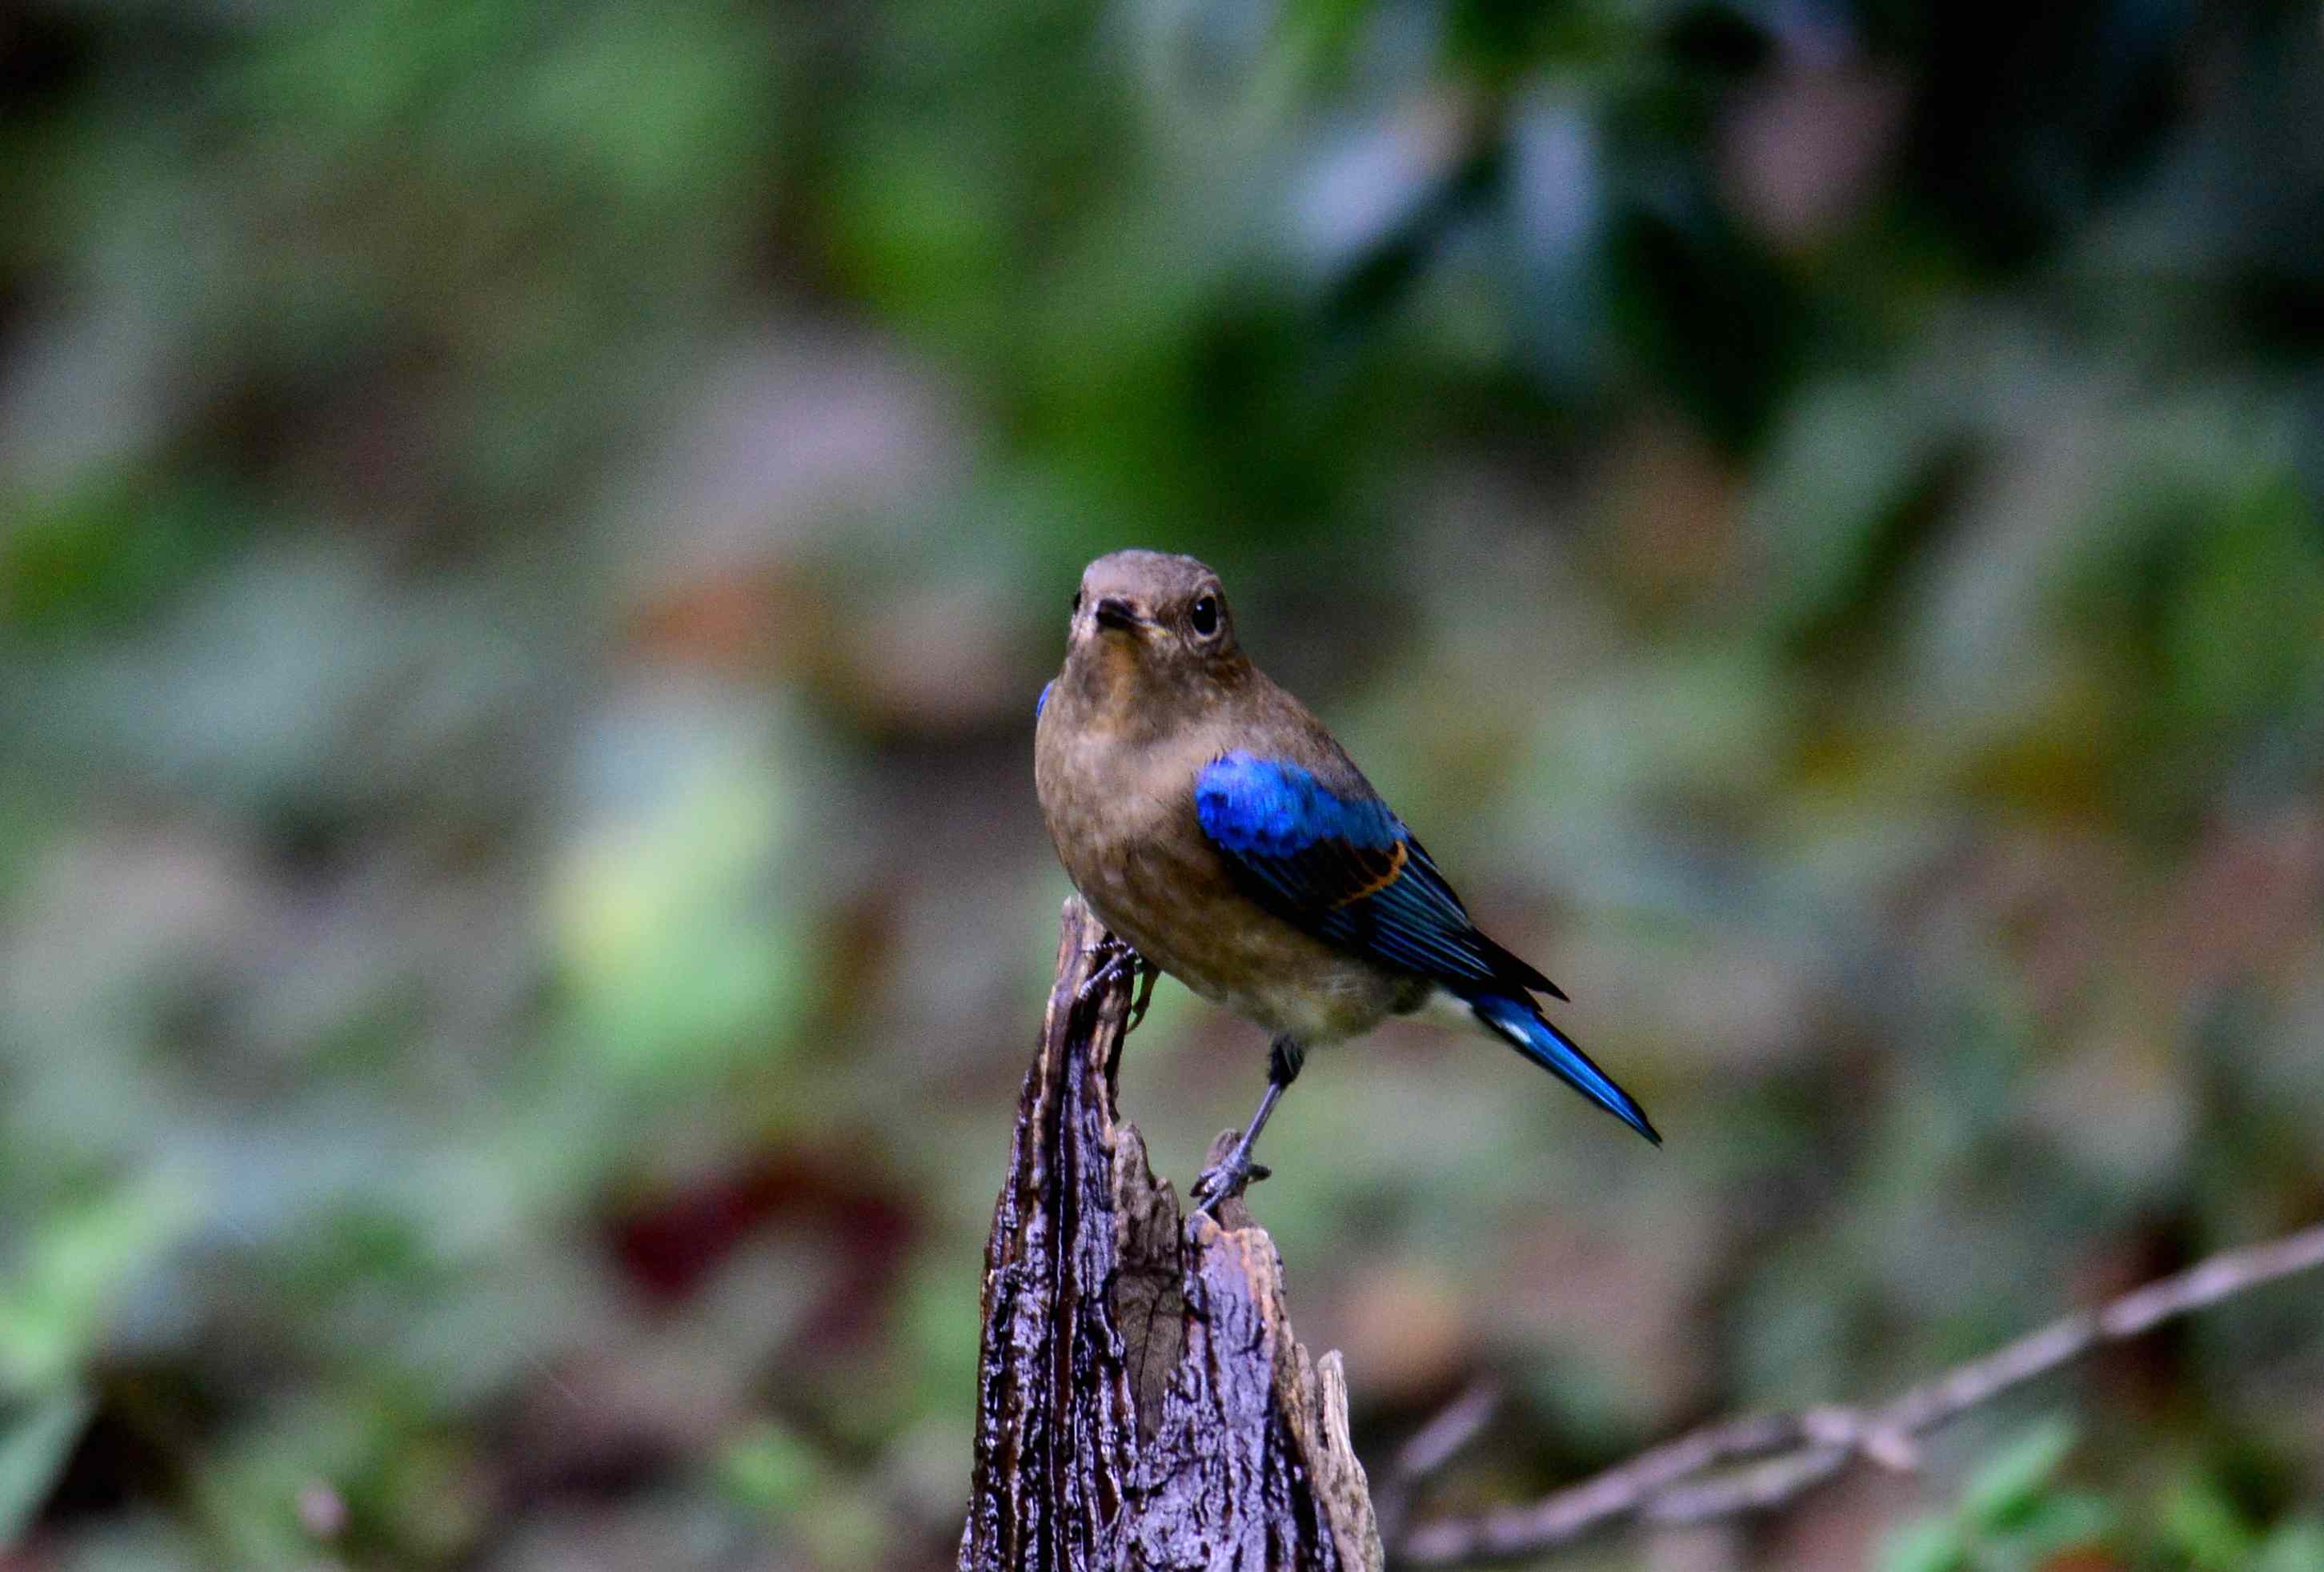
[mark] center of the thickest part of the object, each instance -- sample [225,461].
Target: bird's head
[1147,625]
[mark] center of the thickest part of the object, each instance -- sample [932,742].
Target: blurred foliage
[528,537]
[2017,1512]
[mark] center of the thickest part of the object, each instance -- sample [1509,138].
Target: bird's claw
[1117,955]
[1216,1183]
[1115,952]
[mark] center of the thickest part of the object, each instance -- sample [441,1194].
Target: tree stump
[1141,1402]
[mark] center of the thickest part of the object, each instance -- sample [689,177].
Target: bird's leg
[1213,1185]
[1147,972]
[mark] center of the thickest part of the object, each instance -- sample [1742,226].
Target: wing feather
[1346,869]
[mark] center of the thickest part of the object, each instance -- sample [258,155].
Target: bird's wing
[1345,869]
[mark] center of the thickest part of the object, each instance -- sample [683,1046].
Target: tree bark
[1141,1400]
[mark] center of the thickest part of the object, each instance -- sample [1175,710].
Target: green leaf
[1931,1544]
[2297,1546]
[33,1447]
[2005,1491]
[55,1308]
[769,1467]
[2063,1522]
[2204,1526]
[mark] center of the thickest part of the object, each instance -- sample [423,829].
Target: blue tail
[1520,1021]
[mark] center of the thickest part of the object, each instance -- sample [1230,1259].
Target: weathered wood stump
[1141,1402]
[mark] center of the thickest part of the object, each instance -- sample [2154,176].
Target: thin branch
[1765,1462]
[1430,1448]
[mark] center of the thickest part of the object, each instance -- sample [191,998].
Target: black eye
[1078,603]
[1203,615]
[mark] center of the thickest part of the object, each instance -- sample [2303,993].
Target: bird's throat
[1115,687]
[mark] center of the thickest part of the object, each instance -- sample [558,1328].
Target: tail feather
[1520,1021]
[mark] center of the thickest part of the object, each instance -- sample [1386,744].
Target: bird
[1217,829]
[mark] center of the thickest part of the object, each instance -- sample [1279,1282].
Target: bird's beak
[1117,614]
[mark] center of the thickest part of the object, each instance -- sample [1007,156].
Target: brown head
[1149,629]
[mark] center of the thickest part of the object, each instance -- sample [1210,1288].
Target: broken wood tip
[1142,1402]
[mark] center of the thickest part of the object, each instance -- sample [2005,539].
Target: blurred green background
[529,537]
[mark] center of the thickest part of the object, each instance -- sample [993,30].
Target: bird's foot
[1119,954]
[1216,1183]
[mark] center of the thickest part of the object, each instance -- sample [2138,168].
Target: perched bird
[1213,825]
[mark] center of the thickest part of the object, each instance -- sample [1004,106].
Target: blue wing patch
[1042,703]
[1266,808]
[1346,870]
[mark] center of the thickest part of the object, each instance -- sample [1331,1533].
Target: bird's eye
[1203,615]
[1078,603]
